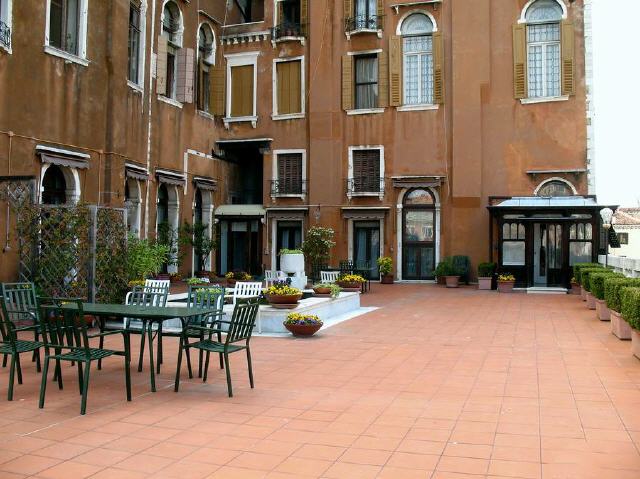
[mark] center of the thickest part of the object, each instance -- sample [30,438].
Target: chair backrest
[243,321]
[346,267]
[160,288]
[210,296]
[364,268]
[246,289]
[64,327]
[270,274]
[328,277]
[19,303]
[157,283]
[140,296]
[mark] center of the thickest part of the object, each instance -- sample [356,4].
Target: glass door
[418,236]
[366,247]
[548,254]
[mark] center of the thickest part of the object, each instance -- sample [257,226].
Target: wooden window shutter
[242,91]
[519,61]
[380,12]
[282,77]
[304,13]
[348,9]
[161,66]
[383,80]
[290,173]
[568,58]
[366,170]
[289,87]
[200,85]
[185,75]
[438,68]
[218,95]
[347,82]
[395,71]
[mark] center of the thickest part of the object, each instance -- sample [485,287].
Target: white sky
[616,45]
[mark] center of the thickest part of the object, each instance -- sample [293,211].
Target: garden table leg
[151,361]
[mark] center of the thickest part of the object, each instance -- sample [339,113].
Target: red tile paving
[436,383]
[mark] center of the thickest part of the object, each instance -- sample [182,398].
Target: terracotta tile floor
[441,384]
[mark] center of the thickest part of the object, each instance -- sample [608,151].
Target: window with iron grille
[366,171]
[544,48]
[289,174]
[134,42]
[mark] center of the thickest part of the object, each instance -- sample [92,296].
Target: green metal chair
[11,345]
[239,331]
[66,338]
[209,296]
[20,304]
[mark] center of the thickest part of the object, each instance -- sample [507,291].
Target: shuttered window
[366,171]
[242,100]
[289,174]
[289,87]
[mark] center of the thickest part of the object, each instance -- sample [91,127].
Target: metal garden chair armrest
[108,333]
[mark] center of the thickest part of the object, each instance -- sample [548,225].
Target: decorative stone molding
[248,37]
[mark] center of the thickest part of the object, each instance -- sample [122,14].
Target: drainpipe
[152,65]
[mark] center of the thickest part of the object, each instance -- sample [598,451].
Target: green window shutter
[438,68]
[161,66]
[568,58]
[347,82]
[383,80]
[218,95]
[520,61]
[395,71]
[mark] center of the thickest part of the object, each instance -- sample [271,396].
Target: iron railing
[365,184]
[5,34]
[288,187]
[289,30]
[363,22]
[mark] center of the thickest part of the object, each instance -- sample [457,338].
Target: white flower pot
[292,263]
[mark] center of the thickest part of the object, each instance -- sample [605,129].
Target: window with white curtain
[366,81]
[543,48]
[366,12]
[417,47]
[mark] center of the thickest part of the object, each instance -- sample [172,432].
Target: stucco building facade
[395,123]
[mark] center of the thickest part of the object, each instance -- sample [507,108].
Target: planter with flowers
[234,276]
[326,290]
[485,276]
[506,282]
[350,282]
[175,277]
[385,265]
[195,281]
[282,296]
[302,324]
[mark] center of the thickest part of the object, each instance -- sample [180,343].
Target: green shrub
[580,266]
[462,264]
[485,270]
[596,281]
[612,289]
[447,267]
[585,276]
[631,306]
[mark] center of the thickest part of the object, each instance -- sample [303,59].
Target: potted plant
[175,277]
[485,275]
[302,324]
[597,280]
[281,295]
[144,259]
[612,290]
[631,314]
[506,282]
[291,260]
[351,282]
[316,247]
[448,270]
[196,281]
[326,290]
[585,281]
[234,276]
[577,273]
[385,265]
[201,240]
[575,286]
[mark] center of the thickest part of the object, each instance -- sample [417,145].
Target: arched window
[54,187]
[206,58]
[417,47]
[544,66]
[554,188]
[132,205]
[171,42]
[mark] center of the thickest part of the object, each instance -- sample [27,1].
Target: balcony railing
[363,22]
[365,185]
[5,34]
[288,187]
[289,30]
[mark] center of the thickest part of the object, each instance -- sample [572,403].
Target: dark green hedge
[596,282]
[585,276]
[579,266]
[631,306]
[612,288]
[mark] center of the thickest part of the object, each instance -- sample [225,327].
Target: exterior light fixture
[607,215]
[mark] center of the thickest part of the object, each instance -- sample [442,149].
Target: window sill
[288,116]
[135,87]
[170,101]
[418,107]
[363,30]
[69,57]
[285,39]
[284,195]
[366,111]
[206,115]
[548,99]
[240,119]
[379,194]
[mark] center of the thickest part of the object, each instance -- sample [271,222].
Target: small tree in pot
[317,246]
[197,237]
[485,275]
[448,270]
[385,265]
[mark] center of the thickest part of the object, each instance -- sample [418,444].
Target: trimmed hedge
[612,289]
[631,306]
[596,282]
[579,266]
[585,276]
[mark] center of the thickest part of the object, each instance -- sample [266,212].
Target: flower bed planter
[452,281]
[484,284]
[283,301]
[583,293]
[591,301]
[386,279]
[603,312]
[322,291]
[506,286]
[303,330]
[619,327]
[349,285]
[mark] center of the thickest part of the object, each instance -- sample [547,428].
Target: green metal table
[152,314]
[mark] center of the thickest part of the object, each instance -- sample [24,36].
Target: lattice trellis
[110,255]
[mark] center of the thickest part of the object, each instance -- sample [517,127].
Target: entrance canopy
[240,210]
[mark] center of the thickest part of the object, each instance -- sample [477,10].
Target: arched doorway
[132,200]
[54,186]
[418,235]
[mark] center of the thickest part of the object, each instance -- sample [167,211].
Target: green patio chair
[66,338]
[209,296]
[20,304]
[238,338]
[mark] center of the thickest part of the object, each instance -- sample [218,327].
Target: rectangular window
[418,70]
[623,238]
[289,174]
[580,243]
[289,87]
[5,24]
[242,100]
[366,81]
[366,15]
[171,72]
[544,60]
[134,42]
[64,24]
[366,171]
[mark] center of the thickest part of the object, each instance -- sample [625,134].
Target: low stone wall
[628,266]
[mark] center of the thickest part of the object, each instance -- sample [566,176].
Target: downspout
[152,65]
[110,111]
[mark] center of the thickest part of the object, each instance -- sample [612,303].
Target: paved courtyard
[442,384]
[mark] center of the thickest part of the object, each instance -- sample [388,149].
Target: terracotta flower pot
[231,282]
[506,286]
[386,279]
[591,301]
[602,310]
[635,343]
[484,283]
[283,299]
[322,290]
[349,285]
[452,281]
[575,288]
[303,330]
[619,327]
[583,293]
